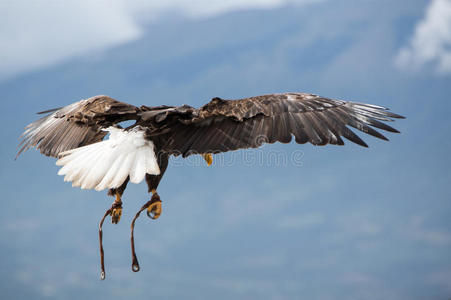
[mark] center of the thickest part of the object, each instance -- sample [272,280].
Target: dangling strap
[102,264]
[135,264]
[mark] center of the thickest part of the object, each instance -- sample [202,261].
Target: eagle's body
[74,134]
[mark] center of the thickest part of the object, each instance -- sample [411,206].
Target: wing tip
[363,144]
[48,111]
[396,116]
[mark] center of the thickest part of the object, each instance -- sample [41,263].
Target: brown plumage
[75,125]
[75,132]
[224,125]
[219,126]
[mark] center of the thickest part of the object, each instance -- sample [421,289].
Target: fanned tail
[107,164]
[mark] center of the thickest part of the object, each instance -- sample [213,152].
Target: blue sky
[341,222]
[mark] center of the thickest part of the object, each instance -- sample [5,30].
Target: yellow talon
[116,214]
[154,210]
[208,158]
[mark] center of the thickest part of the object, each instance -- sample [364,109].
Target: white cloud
[431,42]
[35,34]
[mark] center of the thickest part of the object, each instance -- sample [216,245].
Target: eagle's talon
[154,209]
[116,209]
[116,214]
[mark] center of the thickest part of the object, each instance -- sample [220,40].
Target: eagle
[95,152]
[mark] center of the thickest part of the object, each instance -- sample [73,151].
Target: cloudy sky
[321,223]
[431,41]
[42,32]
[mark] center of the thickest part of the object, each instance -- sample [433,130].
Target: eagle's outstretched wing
[224,125]
[75,125]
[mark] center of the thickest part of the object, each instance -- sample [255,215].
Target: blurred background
[341,223]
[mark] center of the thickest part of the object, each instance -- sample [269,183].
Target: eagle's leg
[116,208]
[208,157]
[154,209]
[153,206]
[116,212]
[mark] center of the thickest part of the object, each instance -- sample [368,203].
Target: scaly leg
[208,158]
[116,209]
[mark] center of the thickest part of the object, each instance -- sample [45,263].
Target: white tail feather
[94,176]
[124,169]
[136,171]
[107,181]
[107,164]
[91,158]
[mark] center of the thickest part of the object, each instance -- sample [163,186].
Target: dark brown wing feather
[75,125]
[224,125]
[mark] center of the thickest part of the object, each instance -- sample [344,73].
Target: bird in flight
[75,134]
